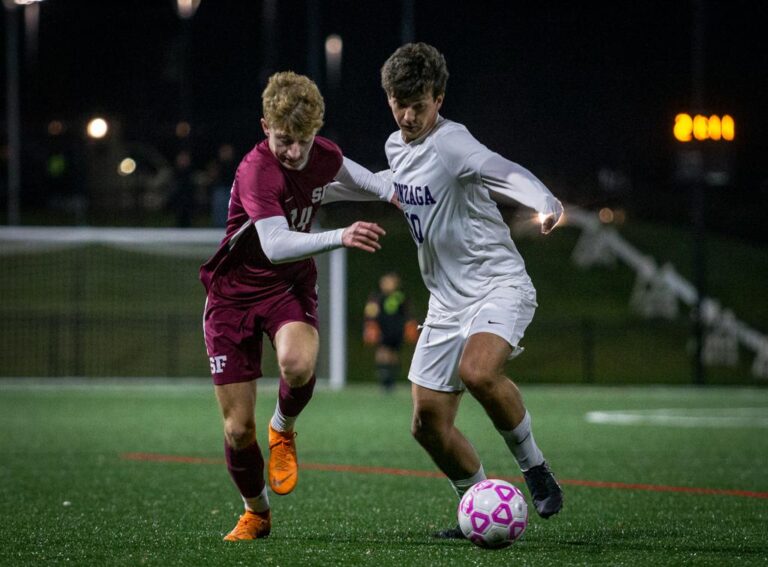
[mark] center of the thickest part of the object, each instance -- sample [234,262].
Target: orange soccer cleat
[252,525]
[283,465]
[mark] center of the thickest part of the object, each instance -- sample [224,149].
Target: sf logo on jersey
[318,193]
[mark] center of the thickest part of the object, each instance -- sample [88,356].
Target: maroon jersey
[240,271]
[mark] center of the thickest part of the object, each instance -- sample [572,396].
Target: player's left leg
[296,344]
[481,368]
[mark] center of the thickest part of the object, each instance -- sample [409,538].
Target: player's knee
[238,434]
[420,432]
[478,379]
[296,369]
[425,431]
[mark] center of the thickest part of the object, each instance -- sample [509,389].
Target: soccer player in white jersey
[481,298]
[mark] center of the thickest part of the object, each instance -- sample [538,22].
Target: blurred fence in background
[661,292]
[102,302]
[114,302]
[80,302]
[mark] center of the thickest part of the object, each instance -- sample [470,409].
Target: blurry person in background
[387,324]
[181,201]
[221,176]
[65,184]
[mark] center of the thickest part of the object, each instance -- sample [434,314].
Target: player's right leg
[433,426]
[481,368]
[245,463]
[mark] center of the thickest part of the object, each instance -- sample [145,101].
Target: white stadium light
[187,8]
[97,128]
[127,167]
[334,46]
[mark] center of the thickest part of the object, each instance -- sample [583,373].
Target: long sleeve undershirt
[353,182]
[281,244]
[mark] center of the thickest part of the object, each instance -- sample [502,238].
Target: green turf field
[132,474]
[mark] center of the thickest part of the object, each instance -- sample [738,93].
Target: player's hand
[549,220]
[395,201]
[362,235]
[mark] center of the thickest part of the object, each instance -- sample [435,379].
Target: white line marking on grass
[104,385]
[684,417]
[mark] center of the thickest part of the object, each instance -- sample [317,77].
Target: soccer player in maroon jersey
[262,280]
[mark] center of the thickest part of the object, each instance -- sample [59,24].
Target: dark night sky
[562,88]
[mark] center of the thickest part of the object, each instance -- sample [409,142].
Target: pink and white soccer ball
[493,514]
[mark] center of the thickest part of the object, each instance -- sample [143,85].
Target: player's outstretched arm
[354,182]
[506,181]
[362,235]
[281,244]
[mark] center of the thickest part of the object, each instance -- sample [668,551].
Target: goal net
[112,302]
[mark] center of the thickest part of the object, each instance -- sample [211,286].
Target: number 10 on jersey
[415,225]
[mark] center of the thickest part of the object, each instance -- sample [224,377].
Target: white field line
[172,386]
[684,417]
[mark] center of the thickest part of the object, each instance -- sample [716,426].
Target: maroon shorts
[233,332]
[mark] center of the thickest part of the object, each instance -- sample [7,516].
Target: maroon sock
[293,400]
[246,467]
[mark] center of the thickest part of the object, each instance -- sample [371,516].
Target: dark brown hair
[414,69]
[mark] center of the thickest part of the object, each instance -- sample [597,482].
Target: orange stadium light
[728,127]
[715,128]
[683,127]
[702,128]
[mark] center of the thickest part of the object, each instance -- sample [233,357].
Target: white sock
[461,486]
[259,503]
[520,441]
[282,422]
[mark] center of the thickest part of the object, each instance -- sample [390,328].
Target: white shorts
[505,312]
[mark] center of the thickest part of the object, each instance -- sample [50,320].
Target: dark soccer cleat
[450,533]
[546,494]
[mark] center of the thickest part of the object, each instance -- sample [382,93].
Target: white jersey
[444,182]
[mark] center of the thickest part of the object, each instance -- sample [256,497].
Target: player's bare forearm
[363,235]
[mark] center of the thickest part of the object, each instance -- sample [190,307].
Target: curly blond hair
[293,103]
